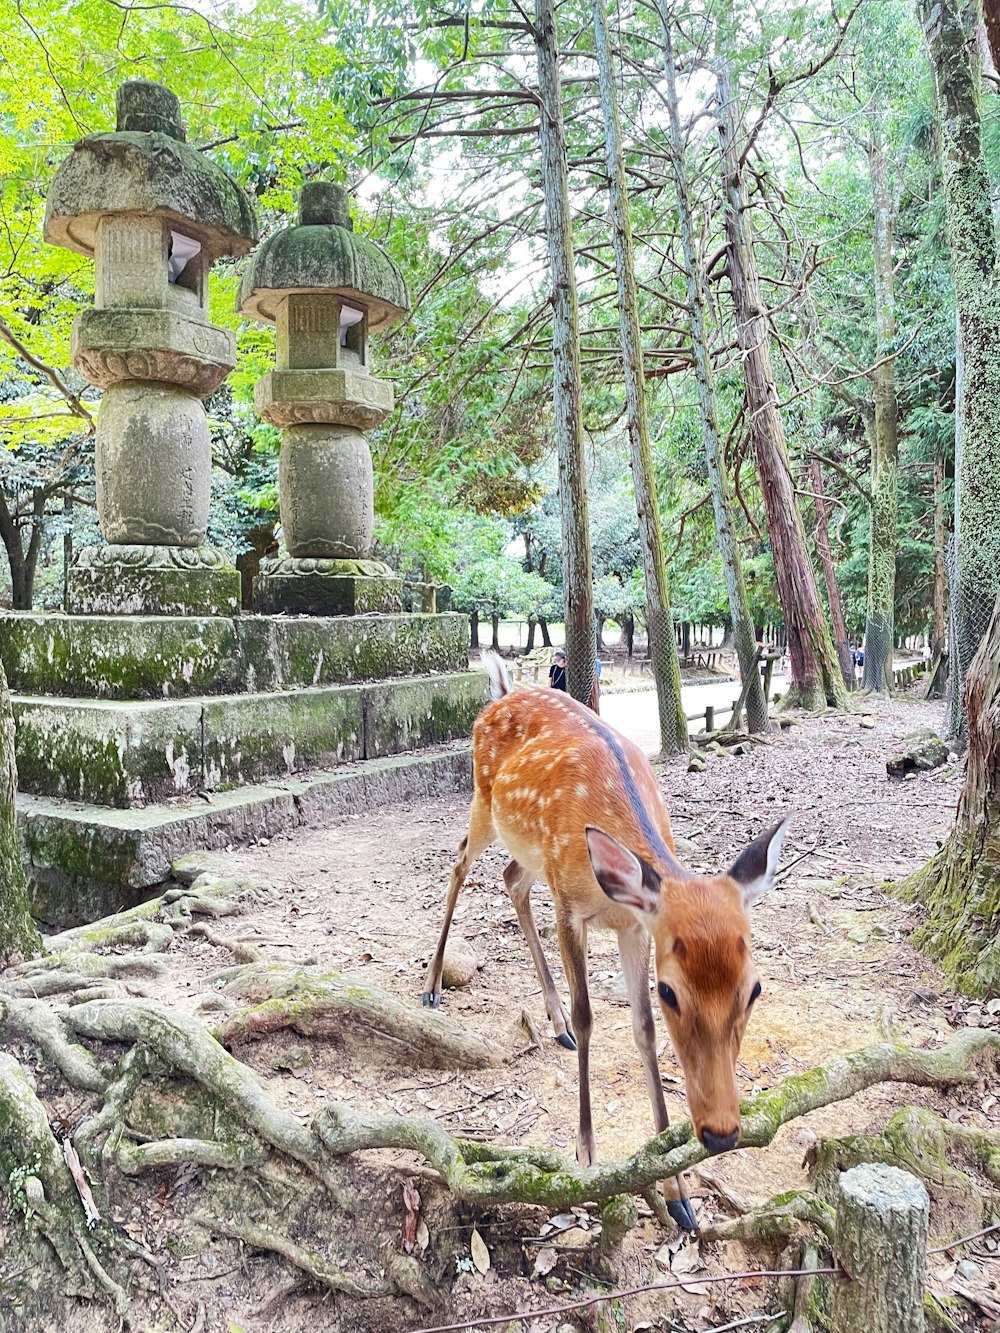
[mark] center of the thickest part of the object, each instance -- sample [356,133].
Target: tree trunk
[816,675]
[495,626]
[960,886]
[22,562]
[879,620]
[599,629]
[949,29]
[939,623]
[829,575]
[659,619]
[18,933]
[474,630]
[543,629]
[532,627]
[628,625]
[718,475]
[578,592]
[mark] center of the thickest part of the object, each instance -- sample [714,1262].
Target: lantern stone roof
[322,254]
[146,167]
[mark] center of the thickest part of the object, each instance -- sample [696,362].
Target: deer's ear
[753,870]
[624,877]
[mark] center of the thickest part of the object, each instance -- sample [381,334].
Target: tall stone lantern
[154,214]
[325,289]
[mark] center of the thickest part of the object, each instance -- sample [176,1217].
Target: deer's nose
[716,1143]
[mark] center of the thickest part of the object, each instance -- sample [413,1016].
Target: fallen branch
[318,1003]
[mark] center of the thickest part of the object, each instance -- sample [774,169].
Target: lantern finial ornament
[325,289]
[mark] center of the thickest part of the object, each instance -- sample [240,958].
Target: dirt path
[365,896]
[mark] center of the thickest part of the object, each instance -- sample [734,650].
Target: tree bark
[18,933]
[960,886]
[628,625]
[949,29]
[939,622]
[543,629]
[532,627]
[881,1243]
[578,591]
[495,626]
[23,561]
[659,619]
[816,674]
[718,474]
[474,630]
[879,619]
[830,577]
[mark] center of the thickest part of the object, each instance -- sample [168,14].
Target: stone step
[86,861]
[176,657]
[133,753]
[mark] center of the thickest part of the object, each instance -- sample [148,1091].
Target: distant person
[557,671]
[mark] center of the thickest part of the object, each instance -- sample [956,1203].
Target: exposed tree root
[241,951]
[184,1046]
[318,1003]
[799,1214]
[486,1174]
[38,1022]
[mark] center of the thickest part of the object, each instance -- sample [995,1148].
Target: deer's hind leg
[481,833]
[518,881]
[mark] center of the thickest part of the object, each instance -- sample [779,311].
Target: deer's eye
[754,994]
[668,997]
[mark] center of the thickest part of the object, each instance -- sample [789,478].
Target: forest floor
[365,896]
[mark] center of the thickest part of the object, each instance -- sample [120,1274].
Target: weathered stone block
[350,398]
[156,657]
[113,345]
[288,585]
[84,862]
[140,579]
[248,738]
[107,753]
[405,714]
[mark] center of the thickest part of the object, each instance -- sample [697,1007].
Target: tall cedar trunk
[18,933]
[939,623]
[884,443]
[718,475]
[949,29]
[816,674]
[659,620]
[578,591]
[829,575]
[628,625]
[474,630]
[960,886]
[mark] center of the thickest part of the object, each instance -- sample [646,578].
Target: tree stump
[881,1243]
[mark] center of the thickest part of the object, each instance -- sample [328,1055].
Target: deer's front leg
[572,936]
[633,947]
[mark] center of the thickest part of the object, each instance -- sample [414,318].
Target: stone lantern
[325,289]
[154,214]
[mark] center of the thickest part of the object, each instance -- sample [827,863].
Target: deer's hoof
[567,1040]
[683,1214]
[432,999]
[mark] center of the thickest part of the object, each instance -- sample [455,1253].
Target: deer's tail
[497,672]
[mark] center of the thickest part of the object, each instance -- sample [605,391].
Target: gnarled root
[319,1003]
[798,1214]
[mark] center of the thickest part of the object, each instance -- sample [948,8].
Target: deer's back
[548,767]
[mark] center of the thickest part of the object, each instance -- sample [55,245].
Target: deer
[577,805]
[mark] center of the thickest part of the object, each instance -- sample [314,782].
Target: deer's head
[705,977]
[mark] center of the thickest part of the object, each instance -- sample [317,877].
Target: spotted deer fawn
[577,805]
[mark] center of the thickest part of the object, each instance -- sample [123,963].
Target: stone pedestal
[307,586]
[134,579]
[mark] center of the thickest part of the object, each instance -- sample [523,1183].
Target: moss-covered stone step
[175,657]
[86,861]
[132,753]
